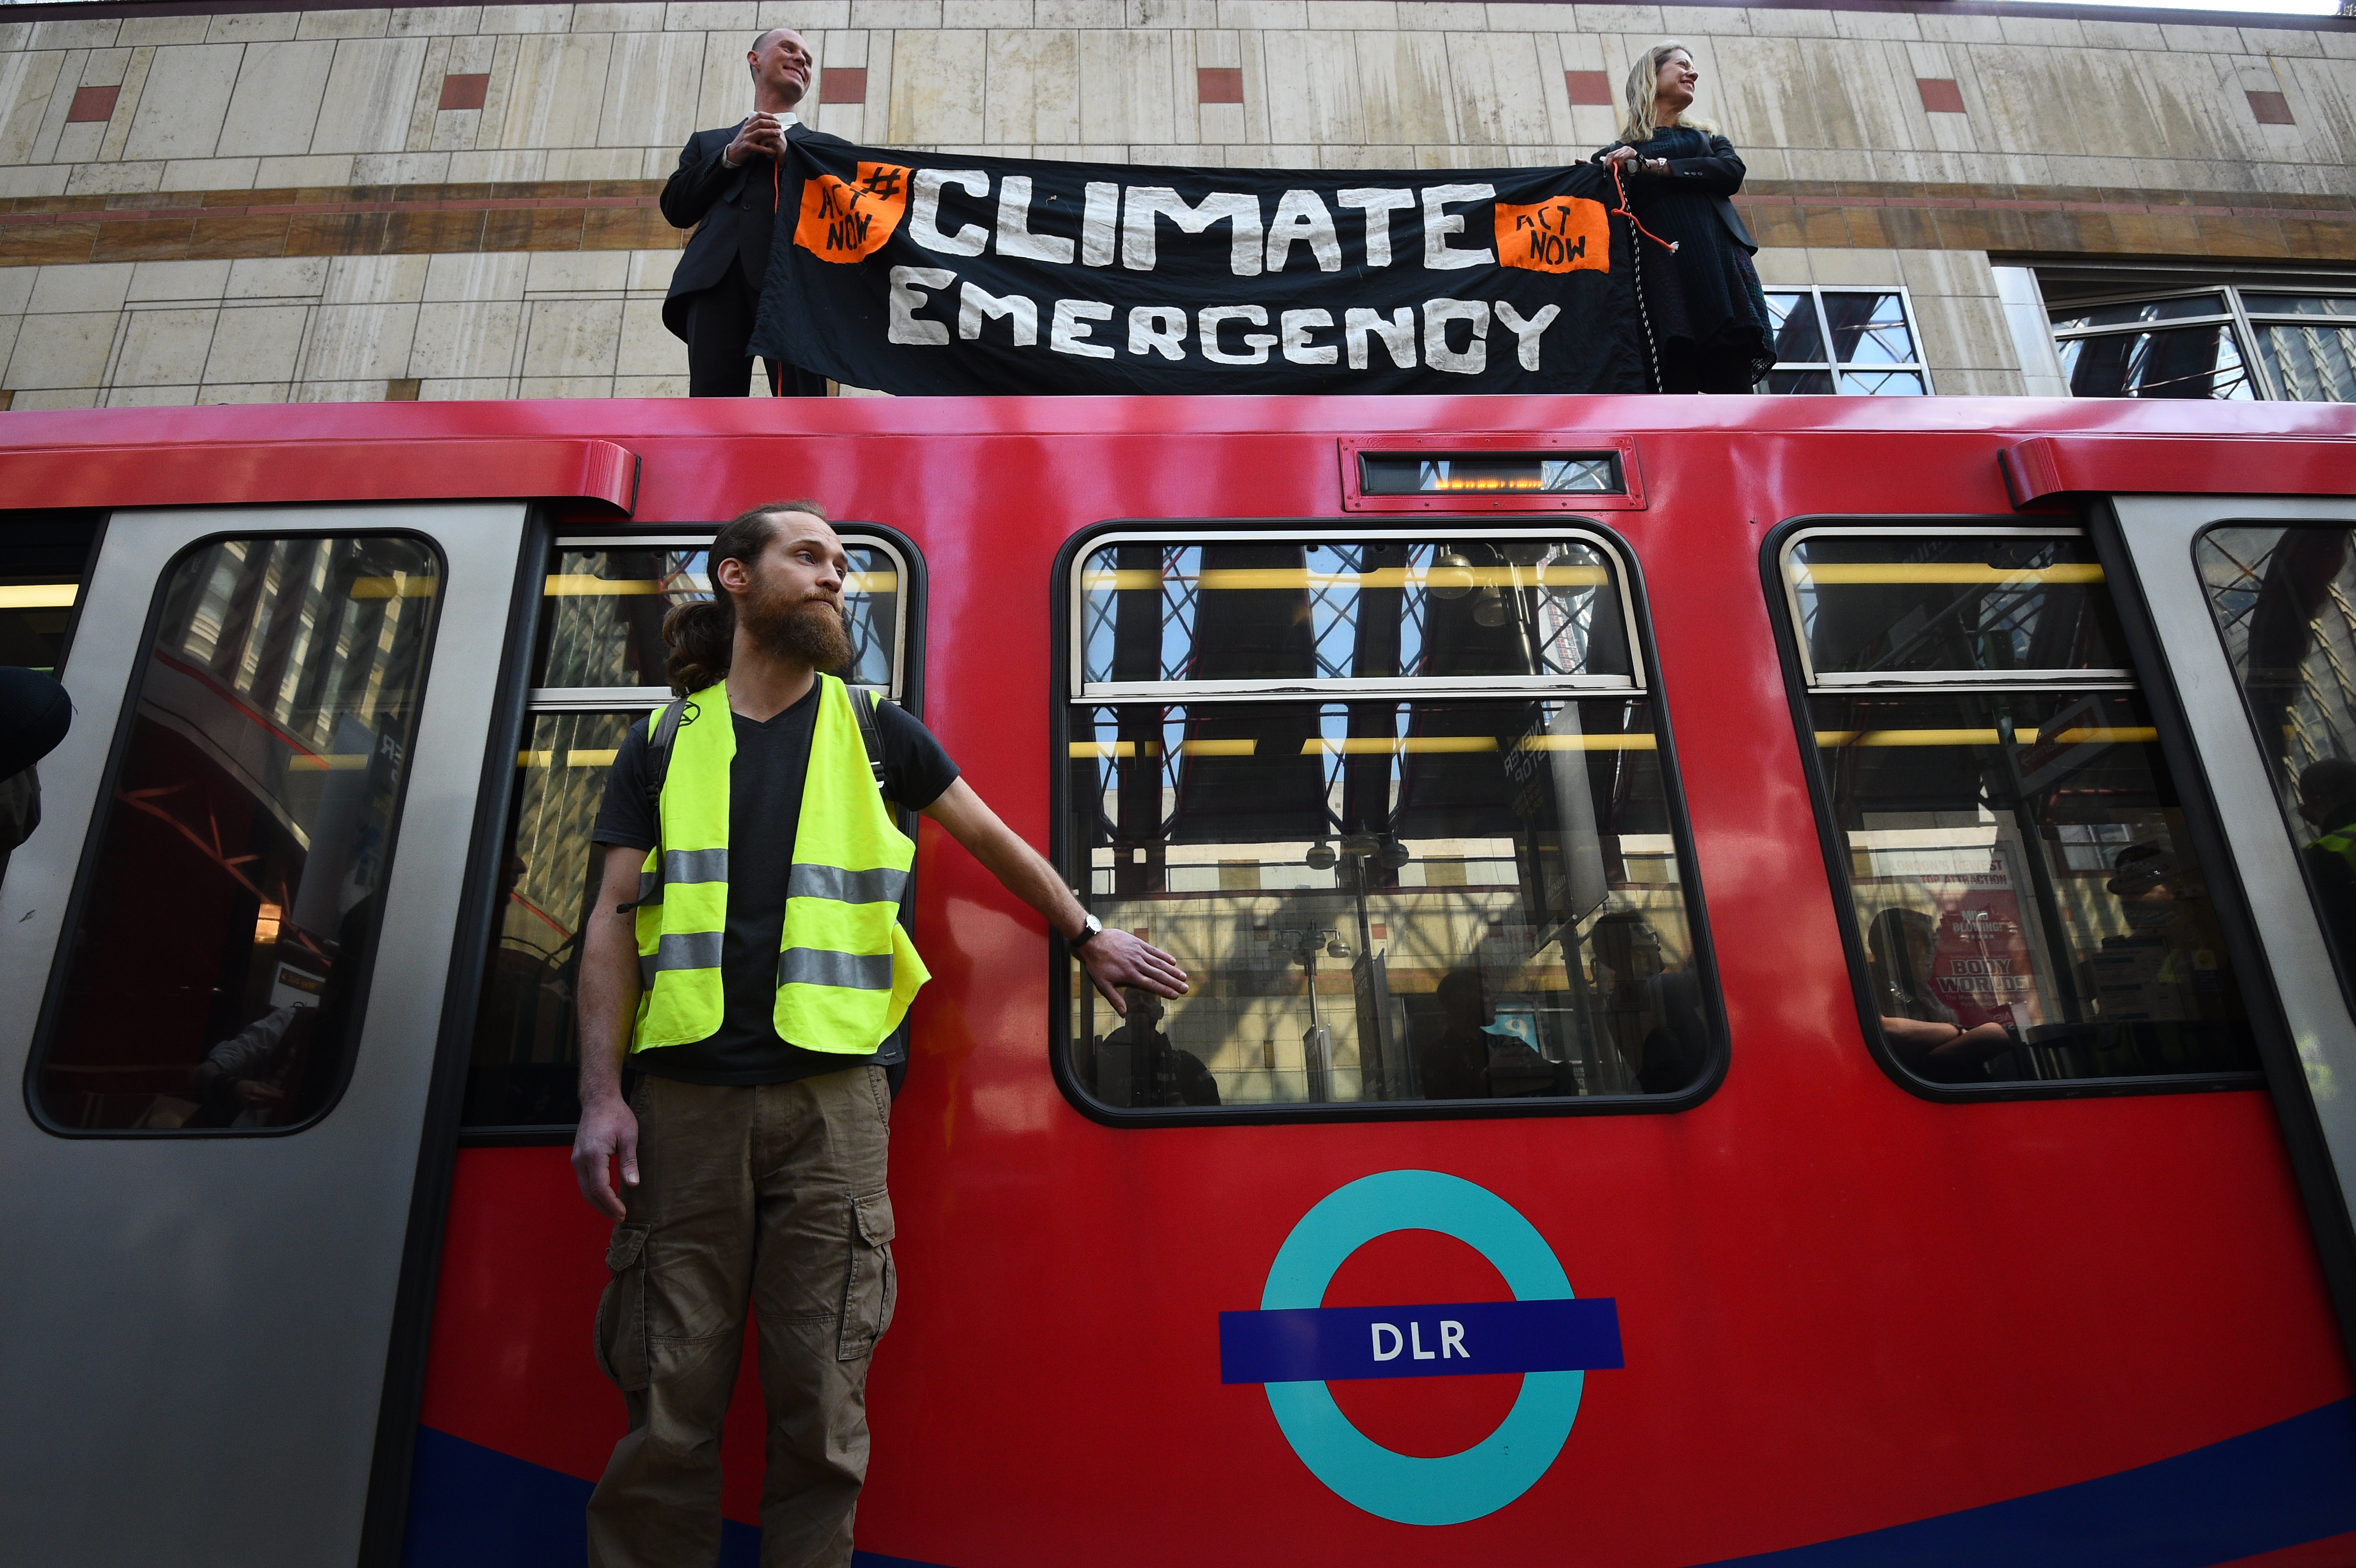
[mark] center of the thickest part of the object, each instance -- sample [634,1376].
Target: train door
[233,932]
[2252,606]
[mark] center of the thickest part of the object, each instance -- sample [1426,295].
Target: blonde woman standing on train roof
[1708,314]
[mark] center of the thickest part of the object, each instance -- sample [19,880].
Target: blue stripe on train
[472,1507]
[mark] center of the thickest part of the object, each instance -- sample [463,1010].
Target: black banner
[934,273]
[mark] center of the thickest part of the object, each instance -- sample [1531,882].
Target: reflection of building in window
[1856,342]
[2128,336]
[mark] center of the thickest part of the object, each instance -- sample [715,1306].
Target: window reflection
[2181,362]
[2285,602]
[1383,901]
[1882,607]
[231,912]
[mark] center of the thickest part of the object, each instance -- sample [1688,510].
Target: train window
[598,667]
[44,561]
[222,941]
[2285,601]
[2026,897]
[1399,806]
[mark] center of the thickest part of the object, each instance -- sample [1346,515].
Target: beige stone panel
[651,89]
[650,271]
[647,347]
[105,67]
[371,90]
[1174,13]
[425,99]
[347,24]
[1844,268]
[472,56]
[274,108]
[803,14]
[1759,92]
[253,27]
[56,397]
[472,169]
[1769,23]
[60,351]
[2338,46]
[493,275]
[153,280]
[847,121]
[1032,91]
[472,337]
[1894,28]
[276,278]
[97,33]
[1259,14]
[713,16]
[208,174]
[555,93]
[431,21]
[267,392]
[2190,106]
[572,337]
[1502,91]
[565,387]
[2201,40]
[526,18]
[651,385]
[100,287]
[466,389]
[596,164]
[1640,19]
[1403,79]
[76,144]
[273,174]
[455,130]
[1965,331]
[577,272]
[369,391]
[161,30]
[2280,42]
[1948,272]
[374,279]
[127,102]
[1218,49]
[840,45]
[28,84]
[724,91]
[185,99]
[163,347]
[937,86]
[142,397]
[113,179]
[1128,88]
[1783,269]
[401,168]
[15,290]
[1309,88]
[1077,14]
[621,18]
[895,14]
[1962,29]
[1592,125]
[349,342]
[988,14]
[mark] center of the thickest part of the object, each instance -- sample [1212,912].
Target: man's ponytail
[702,631]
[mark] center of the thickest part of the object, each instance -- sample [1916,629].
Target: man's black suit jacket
[733,211]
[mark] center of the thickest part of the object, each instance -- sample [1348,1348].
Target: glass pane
[43,561]
[2285,599]
[216,968]
[2029,902]
[1384,902]
[1868,330]
[2067,319]
[1248,611]
[1793,319]
[1914,603]
[2311,363]
[1881,384]
[524,1072]
[601,622]
[1814,381]
[2299,304]
[2183,362]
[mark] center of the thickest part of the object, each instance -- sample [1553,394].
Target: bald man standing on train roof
[726,189]
[745,956]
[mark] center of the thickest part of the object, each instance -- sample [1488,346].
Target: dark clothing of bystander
[1710,317]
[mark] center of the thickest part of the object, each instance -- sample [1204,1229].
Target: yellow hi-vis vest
[847,971]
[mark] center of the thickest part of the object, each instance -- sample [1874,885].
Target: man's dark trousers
[715,291]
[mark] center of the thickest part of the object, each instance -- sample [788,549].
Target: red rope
[1633,220]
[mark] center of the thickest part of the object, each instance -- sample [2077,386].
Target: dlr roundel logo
[1295,1346]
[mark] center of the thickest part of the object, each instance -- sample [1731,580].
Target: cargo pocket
[870,1293]
[622,1312]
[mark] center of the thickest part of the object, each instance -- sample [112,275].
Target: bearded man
[745,956]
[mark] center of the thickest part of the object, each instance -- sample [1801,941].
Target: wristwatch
[1091,928]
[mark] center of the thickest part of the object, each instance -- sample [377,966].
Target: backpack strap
[659,749]
[862,703]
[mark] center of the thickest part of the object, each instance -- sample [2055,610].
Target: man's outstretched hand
[1115,958]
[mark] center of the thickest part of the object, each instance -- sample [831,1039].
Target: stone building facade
[239,202]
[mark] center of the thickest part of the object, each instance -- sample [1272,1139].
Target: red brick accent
[464,91]
[1218,84]
[2270,107]
[1588,86]
[93,104]
[1940,96]
[842,84]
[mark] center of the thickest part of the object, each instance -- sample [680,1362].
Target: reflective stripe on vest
[846,971]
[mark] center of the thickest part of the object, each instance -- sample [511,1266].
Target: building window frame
[1834,370]
[2243,322]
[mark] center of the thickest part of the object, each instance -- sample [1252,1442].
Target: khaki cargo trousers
[772,1195]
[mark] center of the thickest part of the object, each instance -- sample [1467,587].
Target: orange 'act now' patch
[1561,234]
[850,222]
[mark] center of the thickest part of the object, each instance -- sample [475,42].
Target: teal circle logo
[1408,1491]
